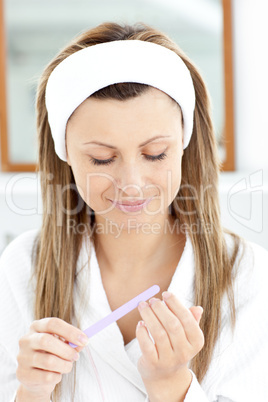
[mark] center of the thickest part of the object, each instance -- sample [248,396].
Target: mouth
[131,202]
[131,205]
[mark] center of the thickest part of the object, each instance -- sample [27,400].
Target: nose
[130,180]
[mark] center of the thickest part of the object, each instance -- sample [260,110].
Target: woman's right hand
[44,355]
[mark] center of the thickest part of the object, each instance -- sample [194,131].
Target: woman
[129,171]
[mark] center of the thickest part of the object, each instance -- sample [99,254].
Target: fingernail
[152,300]
[142,305]
[140,324]
[166,295]
[83,339]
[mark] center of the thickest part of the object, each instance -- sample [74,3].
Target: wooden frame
[228,165]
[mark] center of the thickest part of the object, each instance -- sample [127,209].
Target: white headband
[95,67]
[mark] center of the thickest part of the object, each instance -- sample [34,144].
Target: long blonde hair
[57,250]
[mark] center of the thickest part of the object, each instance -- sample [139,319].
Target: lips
[131,205]
[128,203]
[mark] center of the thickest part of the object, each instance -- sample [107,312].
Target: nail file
[119,312]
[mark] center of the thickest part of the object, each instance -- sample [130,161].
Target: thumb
[197,312]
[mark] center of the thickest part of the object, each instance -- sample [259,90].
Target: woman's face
[126,152]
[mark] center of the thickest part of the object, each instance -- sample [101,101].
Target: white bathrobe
[239,368]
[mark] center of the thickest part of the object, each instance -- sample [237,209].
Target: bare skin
[132,165]
[129,174]
[117,293]
[112,149]
[44,355]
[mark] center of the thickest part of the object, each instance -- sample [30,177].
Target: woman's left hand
[177,335]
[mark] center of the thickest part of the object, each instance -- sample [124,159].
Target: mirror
[33,31]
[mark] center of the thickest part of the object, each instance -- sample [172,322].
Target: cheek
[168,177]
[92,186]
[176,179]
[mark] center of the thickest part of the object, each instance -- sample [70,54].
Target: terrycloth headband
[95,67]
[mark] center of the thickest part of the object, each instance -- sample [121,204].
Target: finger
[38,376]
[191,328]
[170,322]
[197,312]
[54,325]
[49,362]
[158,332]
[146,344]
[50,344]
[78,348]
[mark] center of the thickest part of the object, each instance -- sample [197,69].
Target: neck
[121,250]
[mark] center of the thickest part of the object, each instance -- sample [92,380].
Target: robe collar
[109,343]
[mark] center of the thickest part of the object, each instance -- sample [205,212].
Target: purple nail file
[119,312]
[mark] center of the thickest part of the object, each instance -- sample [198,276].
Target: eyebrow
[141,145]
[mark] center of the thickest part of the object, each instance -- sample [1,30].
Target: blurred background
[34,31]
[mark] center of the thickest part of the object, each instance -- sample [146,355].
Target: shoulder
[250,256]
[246,248]
[16,290]
[254,262]
[250,271]
[17,256]
[259,254]
[238,367]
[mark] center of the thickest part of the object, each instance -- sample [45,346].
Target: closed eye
[151,158]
